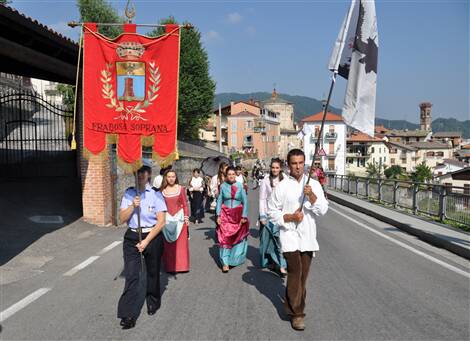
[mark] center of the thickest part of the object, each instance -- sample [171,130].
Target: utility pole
[220,128]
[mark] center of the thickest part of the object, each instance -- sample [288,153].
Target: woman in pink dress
[176,245]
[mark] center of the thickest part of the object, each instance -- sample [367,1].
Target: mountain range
[305,106]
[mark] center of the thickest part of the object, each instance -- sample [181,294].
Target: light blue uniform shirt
[151,202]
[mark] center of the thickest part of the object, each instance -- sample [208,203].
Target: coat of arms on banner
[131,84]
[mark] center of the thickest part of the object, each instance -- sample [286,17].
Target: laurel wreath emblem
[129,112]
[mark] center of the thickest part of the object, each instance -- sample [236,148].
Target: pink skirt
[230,232]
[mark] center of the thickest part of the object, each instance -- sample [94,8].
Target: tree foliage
[5,2]
[374,169]
[393,172]
[422,173]
[100,11]
[196,87]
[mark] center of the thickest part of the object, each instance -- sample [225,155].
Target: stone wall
[184,167]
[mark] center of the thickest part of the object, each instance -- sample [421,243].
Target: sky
[256,45]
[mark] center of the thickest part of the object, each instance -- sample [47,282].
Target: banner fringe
[147,141]
[167,160]
[129,168]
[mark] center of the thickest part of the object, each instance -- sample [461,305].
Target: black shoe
[127,323]
[152,311]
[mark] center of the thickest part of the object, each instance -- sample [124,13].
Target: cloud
[234,18]
[211,36]
[251,30]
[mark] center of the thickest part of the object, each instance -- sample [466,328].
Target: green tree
[196,87]
[100,11]
[393,172]
[374,169]
[422,173]
[5,2]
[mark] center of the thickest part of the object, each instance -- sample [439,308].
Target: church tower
[425,116]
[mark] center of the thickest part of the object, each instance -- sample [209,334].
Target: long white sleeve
[321,204]
[275,207]
[263,198]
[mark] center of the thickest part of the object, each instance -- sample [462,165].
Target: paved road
[369,281]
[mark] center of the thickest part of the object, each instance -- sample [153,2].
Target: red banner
[130,93]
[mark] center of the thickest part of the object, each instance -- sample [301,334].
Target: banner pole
[139,228]
[320,134]
[73,144]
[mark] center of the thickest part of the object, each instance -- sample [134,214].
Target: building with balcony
[333,141]
[432,153]
[253,134]
[362,149]
[402,155]
[288,129]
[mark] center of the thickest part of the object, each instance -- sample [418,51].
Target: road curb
[423,235]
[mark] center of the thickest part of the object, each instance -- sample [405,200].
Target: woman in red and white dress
[176,244]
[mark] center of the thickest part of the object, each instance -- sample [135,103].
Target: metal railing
[435,200]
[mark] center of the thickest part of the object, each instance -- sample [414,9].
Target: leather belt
[144,229]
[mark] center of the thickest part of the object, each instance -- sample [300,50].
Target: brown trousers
[298,265]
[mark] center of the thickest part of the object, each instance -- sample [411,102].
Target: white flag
[359,102]
[340,59]
[354,57]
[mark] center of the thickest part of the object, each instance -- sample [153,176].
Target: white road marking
[109,247]
[81,266]
[393,240]
[23,303]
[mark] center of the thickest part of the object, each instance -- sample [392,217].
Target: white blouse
[196,184]
[265,192]
[286,199]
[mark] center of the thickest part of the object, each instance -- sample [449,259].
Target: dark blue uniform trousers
[135,290]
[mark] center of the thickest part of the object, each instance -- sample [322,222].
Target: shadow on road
[267,283]
[33,207]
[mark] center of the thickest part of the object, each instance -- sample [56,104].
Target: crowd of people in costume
[288,204]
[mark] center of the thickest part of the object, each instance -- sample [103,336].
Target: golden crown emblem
[130,50]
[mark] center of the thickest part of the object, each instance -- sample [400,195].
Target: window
[440,154]
[332,128]
[466,188]
[234,125]
[385,159]
[392,161]
[403,160]
[372,149]
[248,124]
[331,164]
[430,154]
[234,139]
[317,131]
[331,148]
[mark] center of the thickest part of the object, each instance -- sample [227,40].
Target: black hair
[163,170]
[271,176]
[238,168]
[230,168]
[295,152]
[145,169]
[196,170]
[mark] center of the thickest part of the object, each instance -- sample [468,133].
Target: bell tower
[425,117]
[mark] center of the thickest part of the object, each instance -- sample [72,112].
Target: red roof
[362,137]
[467,146]
[319,116]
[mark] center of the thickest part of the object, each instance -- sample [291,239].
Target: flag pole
[320,134]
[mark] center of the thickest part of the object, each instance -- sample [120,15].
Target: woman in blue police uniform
[152,220]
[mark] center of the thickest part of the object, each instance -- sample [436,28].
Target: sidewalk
[438,235]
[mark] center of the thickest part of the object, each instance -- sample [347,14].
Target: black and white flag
[355,57]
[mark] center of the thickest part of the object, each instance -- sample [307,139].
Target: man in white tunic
[298,231]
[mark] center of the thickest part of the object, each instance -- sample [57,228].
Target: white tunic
[286,199]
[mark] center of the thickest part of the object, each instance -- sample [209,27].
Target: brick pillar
[97,181]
